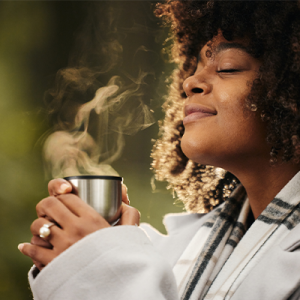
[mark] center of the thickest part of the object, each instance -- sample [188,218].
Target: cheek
[231,100]
[232,113]
[232,135]
[245,132]
[200,140]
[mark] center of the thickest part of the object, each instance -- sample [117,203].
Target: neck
[264,182]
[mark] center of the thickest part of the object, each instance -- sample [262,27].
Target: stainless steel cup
[103,193]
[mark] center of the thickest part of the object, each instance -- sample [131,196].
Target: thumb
[129,215]
[125,198]
[59,187]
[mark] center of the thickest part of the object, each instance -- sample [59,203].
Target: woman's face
[219,131]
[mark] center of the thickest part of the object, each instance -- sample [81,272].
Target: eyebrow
[225,46]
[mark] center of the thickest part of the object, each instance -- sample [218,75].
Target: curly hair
[273,31]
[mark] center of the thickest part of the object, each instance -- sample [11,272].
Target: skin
[230,136]
[76,220]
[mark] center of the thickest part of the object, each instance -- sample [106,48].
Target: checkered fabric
[223,251]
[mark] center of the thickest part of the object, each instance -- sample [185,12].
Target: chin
[200,152]
[193,152]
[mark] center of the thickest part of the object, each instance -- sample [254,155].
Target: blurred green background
[36,38]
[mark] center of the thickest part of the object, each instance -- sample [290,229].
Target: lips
[194,112]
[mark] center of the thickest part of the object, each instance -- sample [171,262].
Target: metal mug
[103,193]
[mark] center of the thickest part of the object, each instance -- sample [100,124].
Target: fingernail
[20,247]
[64,187]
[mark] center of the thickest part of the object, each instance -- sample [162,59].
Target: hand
[74,220]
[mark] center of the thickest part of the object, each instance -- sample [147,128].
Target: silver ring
[45,230]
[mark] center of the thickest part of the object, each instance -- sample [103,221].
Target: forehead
[212,50]
[220,44]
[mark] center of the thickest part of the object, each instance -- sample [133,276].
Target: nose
[195,84]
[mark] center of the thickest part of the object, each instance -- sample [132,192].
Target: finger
[59,240]
[38,241]
[39,265]
[125,198]
[89,219]
[129,215]
[59,186]
[53,209]
[37,253]
[54,230]
[76,205]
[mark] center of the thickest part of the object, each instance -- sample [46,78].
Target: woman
[234,106]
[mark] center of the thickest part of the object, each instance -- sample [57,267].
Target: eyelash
[228,71]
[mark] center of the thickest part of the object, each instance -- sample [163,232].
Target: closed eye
[228,71]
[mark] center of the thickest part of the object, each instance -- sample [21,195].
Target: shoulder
[181,228]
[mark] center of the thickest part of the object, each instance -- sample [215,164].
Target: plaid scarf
[223,251]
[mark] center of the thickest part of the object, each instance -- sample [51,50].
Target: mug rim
[105,177]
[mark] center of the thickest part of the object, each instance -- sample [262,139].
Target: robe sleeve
[112,263]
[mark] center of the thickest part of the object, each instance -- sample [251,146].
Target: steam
[91,118]
[77,152]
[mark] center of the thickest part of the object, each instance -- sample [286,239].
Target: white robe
[134,263]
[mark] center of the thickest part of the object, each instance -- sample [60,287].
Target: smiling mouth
[194,112]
